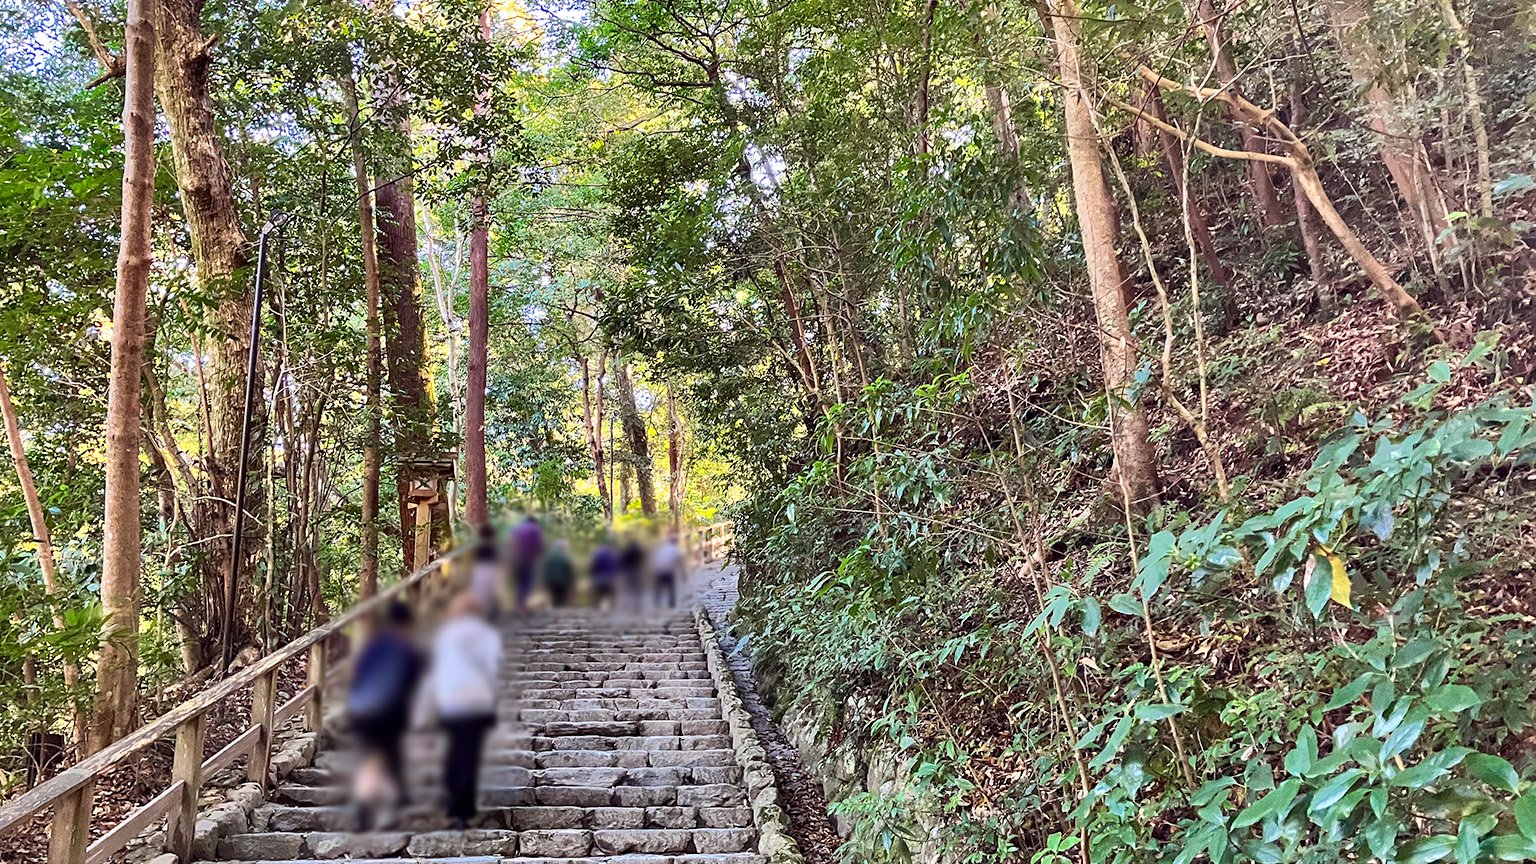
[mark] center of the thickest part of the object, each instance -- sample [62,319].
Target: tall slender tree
[118,664]
[476,507]
[368,575]
[1135,461]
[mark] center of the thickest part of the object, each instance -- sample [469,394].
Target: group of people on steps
[395,686]
[621,573]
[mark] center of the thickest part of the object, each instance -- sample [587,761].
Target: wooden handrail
[15,812]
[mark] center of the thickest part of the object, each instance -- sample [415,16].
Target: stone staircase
[611,747]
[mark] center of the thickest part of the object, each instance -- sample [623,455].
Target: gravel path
[799,791]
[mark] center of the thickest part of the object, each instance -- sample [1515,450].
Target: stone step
[691,858]
[688,858]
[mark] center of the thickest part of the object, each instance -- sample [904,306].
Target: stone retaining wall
[774,840]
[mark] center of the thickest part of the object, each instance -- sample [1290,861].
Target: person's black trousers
[666,584]
[461,768]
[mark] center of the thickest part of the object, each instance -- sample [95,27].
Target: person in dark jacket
[527,552]
[379,706]
[632,570]
[559,574]
[604,568]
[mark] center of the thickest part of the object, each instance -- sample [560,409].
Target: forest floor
[800,793]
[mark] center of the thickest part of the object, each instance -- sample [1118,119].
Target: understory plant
[1333,666]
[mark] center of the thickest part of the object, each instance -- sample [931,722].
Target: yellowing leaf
[1340,590]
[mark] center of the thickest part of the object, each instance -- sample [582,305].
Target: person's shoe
[458,824]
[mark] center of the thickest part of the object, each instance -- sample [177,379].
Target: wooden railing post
[263,704]
[187,768]
[314,712]
[70,831]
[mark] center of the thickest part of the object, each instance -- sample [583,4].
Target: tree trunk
[676,482]
[638,440]
[592,424]
[1135,462]
[1306,223]
[1172,152]
[1265,198]
[1401,148]
[42,537]
[219,250]
[368,575]
[476,506]
[117,664]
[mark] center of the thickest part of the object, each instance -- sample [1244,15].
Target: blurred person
[604,568]
[466,667]
[379,708]
[486,573]
[632,570]
[527,552]
[667,569]
[559,573]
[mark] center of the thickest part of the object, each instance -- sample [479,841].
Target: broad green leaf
[1299,760]
[1495,771]
[1334,790]
[1347,694]
[1404,735]
[1155,712]
[1452,699]
[1426,850]
[1467,844]
[1092,616]
[1525,814]
[1512,847]
[1154,565]
[1317,586]
[1276,802]
[1381,838]
[1125,604]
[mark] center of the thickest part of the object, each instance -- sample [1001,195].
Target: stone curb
[773,840]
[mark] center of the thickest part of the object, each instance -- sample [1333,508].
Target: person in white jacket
[466,666]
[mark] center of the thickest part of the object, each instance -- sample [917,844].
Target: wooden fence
[71,792]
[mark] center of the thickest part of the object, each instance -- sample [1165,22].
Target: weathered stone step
[609,818]
[691,858]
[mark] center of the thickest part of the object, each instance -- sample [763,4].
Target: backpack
[386,674]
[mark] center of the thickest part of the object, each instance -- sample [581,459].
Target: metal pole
[252,357]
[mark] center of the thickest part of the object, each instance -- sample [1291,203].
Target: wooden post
[423,534]
[263,703]
[187,767]
[70,831]
[314,712]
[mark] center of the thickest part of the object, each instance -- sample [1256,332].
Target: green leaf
[1112,746]
[1125,604]
[1426,850]
[1154,565]
[1092,616]
[1495,771]
[1347,694]
[1276,802]
[1467,845]
[1299,760]
[1335,789]
[1319,584]
[1156,712]
[1512,847]
[1404,735]
[1525,814]
[1381,837]
[1452,699]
